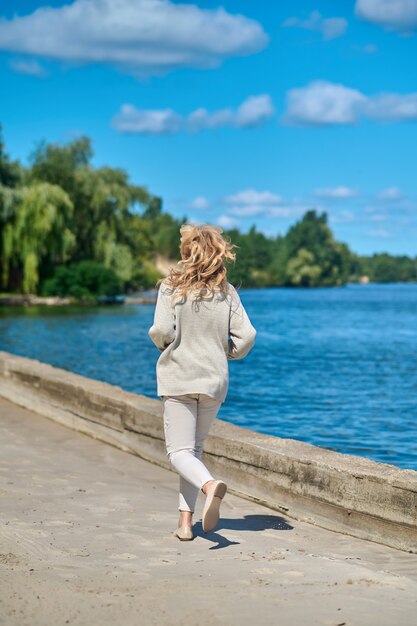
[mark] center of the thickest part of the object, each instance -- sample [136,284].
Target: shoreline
[33,300]
[22,300]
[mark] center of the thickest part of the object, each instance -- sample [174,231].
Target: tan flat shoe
[211,511]
[184,533]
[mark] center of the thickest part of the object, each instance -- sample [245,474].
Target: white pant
[187,421]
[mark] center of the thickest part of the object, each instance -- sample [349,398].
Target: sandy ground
[86,538]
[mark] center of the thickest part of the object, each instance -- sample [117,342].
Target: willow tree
[9,200]
[35,234]
[105,202]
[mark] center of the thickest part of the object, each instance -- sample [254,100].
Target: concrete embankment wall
[340,492]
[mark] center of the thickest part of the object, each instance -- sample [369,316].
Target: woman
[199,324]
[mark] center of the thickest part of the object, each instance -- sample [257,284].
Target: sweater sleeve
[162,332]
[242,333]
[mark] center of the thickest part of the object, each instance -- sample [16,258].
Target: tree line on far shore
[69,228]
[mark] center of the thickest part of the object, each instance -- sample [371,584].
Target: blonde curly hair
[202,267]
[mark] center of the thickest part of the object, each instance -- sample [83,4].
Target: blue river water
[335,367]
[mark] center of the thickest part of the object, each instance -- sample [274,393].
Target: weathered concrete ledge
[340,492]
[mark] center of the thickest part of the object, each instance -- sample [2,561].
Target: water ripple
[333,367]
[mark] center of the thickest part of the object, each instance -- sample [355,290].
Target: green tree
[302,270]
[385,268]
[166,235]
[240,272]
[64,211]
[11,172]
[36,237]
[278,266]
[85,280]
[106,221]
[313,234]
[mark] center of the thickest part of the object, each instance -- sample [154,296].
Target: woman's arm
[162,332]
[242,333]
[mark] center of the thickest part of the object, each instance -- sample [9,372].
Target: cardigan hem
[181,392]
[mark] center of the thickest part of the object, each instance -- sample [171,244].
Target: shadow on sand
[253,523]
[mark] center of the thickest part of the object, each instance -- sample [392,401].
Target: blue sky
[236,113]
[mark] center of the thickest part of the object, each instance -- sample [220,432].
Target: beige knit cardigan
[196,338]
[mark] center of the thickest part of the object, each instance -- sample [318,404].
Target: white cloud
[151,122]
[391,107]
[201,118]
[225,221]
[248,210]
[399,15]
[392,193]
[254,111]
[252,196]
[330,28]
[336,192]
[322,103]
[141,37]
[200,203]
[31,67]
[289,210]
[249,202]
